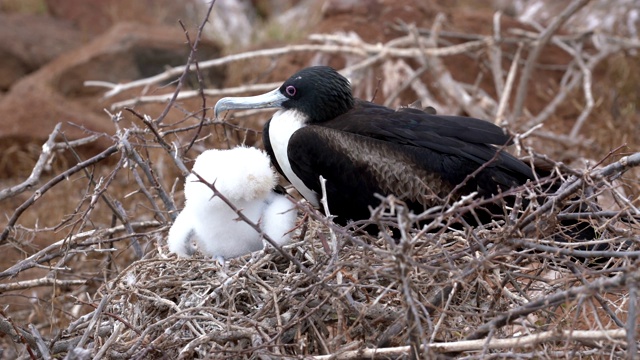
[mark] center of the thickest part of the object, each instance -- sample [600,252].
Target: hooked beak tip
[219,107]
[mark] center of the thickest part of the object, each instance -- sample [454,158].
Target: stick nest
[372,293]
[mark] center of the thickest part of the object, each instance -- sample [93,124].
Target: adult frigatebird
[362,149]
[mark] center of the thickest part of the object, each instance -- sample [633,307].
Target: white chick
[244,176]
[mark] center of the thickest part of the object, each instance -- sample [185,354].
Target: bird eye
[290,90]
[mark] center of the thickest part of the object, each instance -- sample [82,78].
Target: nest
[428,294]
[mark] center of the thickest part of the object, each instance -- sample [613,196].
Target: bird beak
[272,99]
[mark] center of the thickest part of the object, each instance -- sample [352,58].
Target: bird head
[241,173]
[318,92]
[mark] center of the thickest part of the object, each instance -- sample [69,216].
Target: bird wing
[356,167]
[467,138]
[408,124]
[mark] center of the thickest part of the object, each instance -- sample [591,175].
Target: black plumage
[361,148]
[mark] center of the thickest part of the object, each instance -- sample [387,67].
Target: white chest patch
[283,124]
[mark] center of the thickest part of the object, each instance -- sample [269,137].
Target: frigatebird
[363,149]
[243,175]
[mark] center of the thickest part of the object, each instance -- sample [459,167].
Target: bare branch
[186,68]
[495,56]
[42,190]
[602,284]
[53,250]
[506,91]
[365,50]
[42,347]
[475,345]
[618,167]
[542,41]
[32,180]
[21,285]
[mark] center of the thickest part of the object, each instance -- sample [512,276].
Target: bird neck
[281,128]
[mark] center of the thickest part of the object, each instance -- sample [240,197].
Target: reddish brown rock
[23,51]
[97,16]
[56,92]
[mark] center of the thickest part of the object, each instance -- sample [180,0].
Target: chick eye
[290,90]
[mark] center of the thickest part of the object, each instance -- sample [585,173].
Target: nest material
[515,286]
[373,293]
